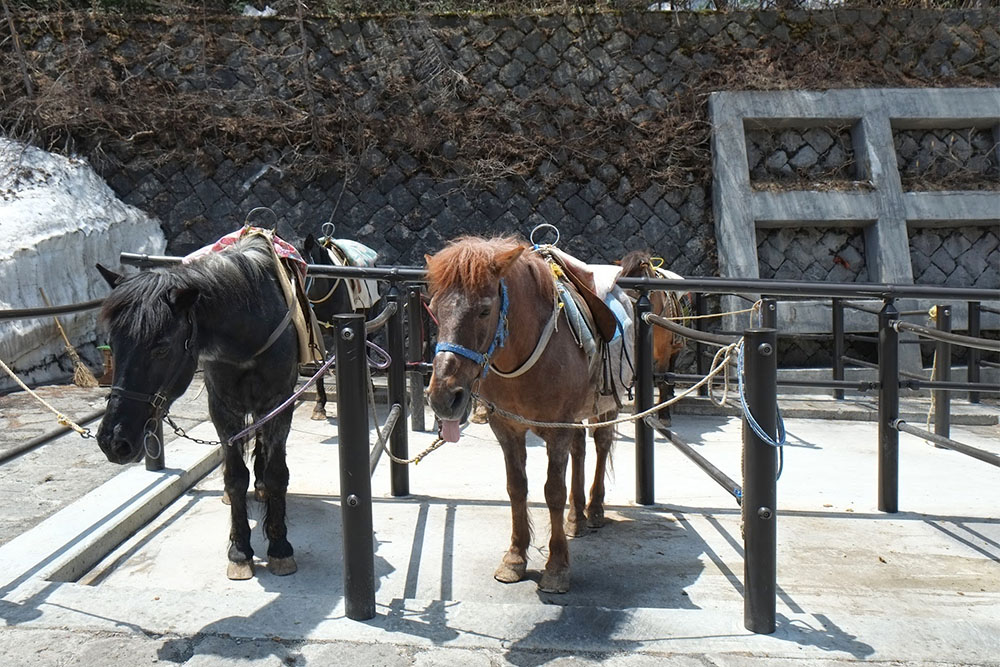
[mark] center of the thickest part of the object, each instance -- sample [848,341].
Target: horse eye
[484,313]
[160,352]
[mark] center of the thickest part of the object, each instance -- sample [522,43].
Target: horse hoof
[282,566]
[576,529]
[240,571]
[554,582]
[509,573]
[225,498]
[260,495]
[319,415]
[595,519]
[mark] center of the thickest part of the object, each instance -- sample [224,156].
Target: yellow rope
[751,309]
[60,417]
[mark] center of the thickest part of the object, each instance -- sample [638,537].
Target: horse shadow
[593,618]
[310,596]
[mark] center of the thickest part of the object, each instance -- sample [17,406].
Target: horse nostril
[121,448]
[457,399]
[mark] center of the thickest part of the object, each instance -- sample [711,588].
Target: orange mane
[468,262]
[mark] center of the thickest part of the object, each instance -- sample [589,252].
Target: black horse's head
[152,329]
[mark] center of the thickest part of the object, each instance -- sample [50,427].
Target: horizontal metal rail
[859,385]
[390,424]
[808,289]
[45,438]
[723,480]
[948,337]
[948,443]
[948,386]
[32,313]
[687,332]
[859,362]
[737,286]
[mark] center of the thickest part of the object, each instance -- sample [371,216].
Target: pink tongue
[449,430]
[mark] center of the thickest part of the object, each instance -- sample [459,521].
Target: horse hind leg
[319,410]
[603,441]
[280,559]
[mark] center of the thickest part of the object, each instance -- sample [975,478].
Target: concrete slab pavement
[656,583]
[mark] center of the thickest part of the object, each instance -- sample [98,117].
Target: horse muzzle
[118,447]
[448,399]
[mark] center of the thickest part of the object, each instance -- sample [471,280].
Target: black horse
[328,296]
[226,310]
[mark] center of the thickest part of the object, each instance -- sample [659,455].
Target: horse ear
[504,260]
[182,299]
[109,276]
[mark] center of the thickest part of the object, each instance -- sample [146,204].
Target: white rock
[58,218]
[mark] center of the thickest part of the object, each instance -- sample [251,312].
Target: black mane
[139,306]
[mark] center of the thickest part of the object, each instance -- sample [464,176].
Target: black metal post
[974,355]
[414,354]
[644,487]
[838,345]
[768,313]
[398,439]
[355,482]
[701,367]
[942,358]
[157,463]
[888,408]
[760,468]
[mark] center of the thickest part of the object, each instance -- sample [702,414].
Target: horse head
[152,330]
[469,301]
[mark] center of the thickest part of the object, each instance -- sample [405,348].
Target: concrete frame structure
[883,209]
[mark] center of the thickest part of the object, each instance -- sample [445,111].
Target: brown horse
[666,344]
[503,335]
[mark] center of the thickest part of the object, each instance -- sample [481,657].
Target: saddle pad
[291,273]
[344,252]
[580,324]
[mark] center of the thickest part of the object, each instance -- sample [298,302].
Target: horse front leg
[319,410]
[236,481]
[575,526]
[555,578]
[603,440]
[515,561]
[274,483]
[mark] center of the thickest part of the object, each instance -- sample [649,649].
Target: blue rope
[780,440]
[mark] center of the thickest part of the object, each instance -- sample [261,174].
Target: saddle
[599,319]
[592,282]
[344,252]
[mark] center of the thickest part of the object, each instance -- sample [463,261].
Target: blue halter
[499,338]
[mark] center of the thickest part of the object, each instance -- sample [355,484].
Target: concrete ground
[658,584]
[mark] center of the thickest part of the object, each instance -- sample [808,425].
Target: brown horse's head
[467,297]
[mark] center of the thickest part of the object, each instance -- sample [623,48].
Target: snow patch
[58,218]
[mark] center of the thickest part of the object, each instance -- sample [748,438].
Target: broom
[82,377]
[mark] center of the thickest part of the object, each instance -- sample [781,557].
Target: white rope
[60,417]
[715,370]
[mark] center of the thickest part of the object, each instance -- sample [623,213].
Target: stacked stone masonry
[561,70]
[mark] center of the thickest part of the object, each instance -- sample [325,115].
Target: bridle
[159,399]
[499,338]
